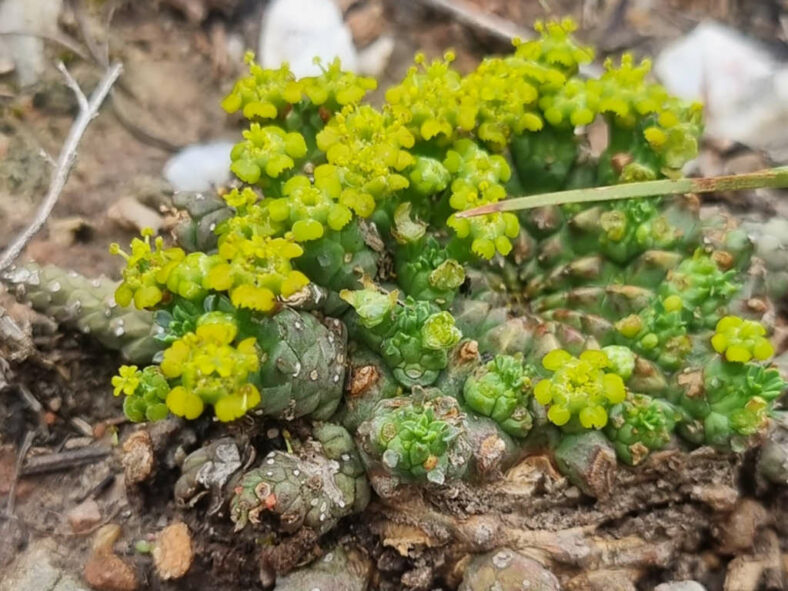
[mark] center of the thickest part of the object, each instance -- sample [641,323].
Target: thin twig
[470,16]
[773,178]
[82,100]
[64,460]
[65,161]
[29,436]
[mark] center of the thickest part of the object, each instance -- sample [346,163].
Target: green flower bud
[640,425]
[422,441]
[501,390]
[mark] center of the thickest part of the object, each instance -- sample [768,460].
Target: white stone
[743,87]
[25,53]
[199,167]
[297,31]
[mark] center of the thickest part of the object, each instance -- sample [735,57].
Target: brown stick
[488,23]
[63,460]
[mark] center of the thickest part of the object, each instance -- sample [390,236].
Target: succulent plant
[417,440]
[313,488]
[343,278]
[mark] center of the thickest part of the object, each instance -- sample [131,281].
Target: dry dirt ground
[177,68]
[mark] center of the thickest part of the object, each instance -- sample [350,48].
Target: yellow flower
[127,380]
[147,270]
[741,340]
[579,388]
[235,406]
[212,370]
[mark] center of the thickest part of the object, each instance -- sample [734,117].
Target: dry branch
[88,109]
[470,16]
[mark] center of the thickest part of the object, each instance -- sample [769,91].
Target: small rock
[32,570]
[200,167]
[84,516]
[336,570]
[743,87]
[297,31]
[105,570]
[173,553]
[773,459]
[737,532]
[138,458]
[507,569]
[680,586]
[130,214]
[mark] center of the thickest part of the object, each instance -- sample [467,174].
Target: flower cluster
[732,404]
[632,227]
[659,332]
[256,269]
[580,391]
[431,102]
[147,270]
[369,152]
[425,271]
[266,154]
[336,88]
[310,208]
[205,367]
[741,340]
[556,47]
[264,94]
[703,287]
[145,392]
[271,94]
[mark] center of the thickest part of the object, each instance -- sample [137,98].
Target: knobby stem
[769,178]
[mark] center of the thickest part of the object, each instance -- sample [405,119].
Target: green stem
[770,178]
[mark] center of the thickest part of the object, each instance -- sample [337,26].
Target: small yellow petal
[615,391]
[728,322]
[719,341]
[542,392]
[762,350]
[558,415]
[555,359]
[596,358]
[737,353]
